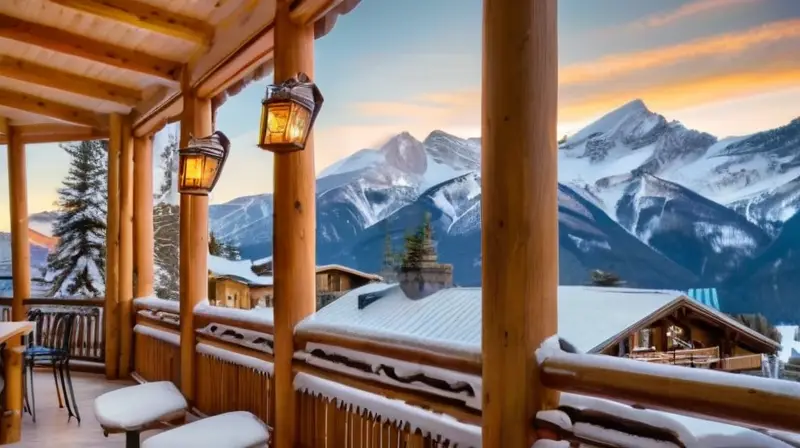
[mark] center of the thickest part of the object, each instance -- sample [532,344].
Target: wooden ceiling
[65,65]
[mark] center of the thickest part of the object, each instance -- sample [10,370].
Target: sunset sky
[728,67]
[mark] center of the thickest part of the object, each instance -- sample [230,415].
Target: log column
[294,241]
[196,120]
[519,213]
[126,250]
[21,281]
[111,311]
[143,215]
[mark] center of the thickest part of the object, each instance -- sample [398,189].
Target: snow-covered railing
[257,319]
[715,395]
[234,365]
[157,335]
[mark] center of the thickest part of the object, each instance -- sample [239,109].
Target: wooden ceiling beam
[65,42]
[308,11]
[142,15]
[47,108]
[57,79]
[55,133]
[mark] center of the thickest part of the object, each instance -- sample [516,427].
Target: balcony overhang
[66,65]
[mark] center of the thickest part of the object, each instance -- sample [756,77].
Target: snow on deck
[450,320]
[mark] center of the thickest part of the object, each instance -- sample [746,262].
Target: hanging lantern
[201,163]
[288,113]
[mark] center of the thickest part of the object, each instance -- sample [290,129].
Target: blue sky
[723,66]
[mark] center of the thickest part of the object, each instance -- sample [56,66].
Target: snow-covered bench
[138,408]
[231,430]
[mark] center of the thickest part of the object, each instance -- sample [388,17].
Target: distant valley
[661,205]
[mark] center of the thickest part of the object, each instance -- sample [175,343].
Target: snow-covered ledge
[258,317]
[716,395]
[403,374]
[162,335]
[236,358]
[394,411]
[254,340]
[154,303]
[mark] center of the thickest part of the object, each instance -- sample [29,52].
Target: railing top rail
[746,400]
[94,301]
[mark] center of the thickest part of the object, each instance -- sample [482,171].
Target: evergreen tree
[169,165]
[77,266]
[221,248]
[166,222]
[415,247]
[759,323]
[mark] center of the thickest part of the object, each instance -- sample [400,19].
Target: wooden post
[111,311]
[21,281]
[196,120]
[519,213]
[294,245]
[143,215]
[126,250]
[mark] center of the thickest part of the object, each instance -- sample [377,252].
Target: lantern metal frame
[217,146]
[298,89]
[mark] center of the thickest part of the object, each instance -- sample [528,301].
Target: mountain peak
[636,105]
[406,153]
[633,118]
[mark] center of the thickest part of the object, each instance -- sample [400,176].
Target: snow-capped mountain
[356,192]
[706,238]
[755,175]
[588,239]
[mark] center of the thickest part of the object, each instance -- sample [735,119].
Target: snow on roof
[450,319]
[788,343]
[339,267]
[239,269]
[263,260]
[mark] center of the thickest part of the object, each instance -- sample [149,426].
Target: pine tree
[415,243]
[166,221]
[169,165]
[221,248]
[77,266]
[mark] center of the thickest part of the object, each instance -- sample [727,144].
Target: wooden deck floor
[51,427]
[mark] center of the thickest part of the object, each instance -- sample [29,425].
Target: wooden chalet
[245,284]
[122,69]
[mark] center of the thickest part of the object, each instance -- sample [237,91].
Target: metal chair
[50,345]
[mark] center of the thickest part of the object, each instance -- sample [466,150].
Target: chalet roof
[339,267]
[65,65]
[449,321]
[239,270]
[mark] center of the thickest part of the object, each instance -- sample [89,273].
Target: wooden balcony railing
[740,363]
[700,357]
[357,392]
[88,342]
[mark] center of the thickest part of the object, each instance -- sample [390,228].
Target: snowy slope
[356,192]
[756,175]
[707,238]
[588,238]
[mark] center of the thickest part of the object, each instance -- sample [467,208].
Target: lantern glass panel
[198,171]
[285,123]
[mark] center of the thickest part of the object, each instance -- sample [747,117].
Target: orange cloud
[684,93]
[730,43]
[688,10]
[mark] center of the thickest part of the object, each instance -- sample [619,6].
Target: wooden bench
[230,430]
[134,409]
